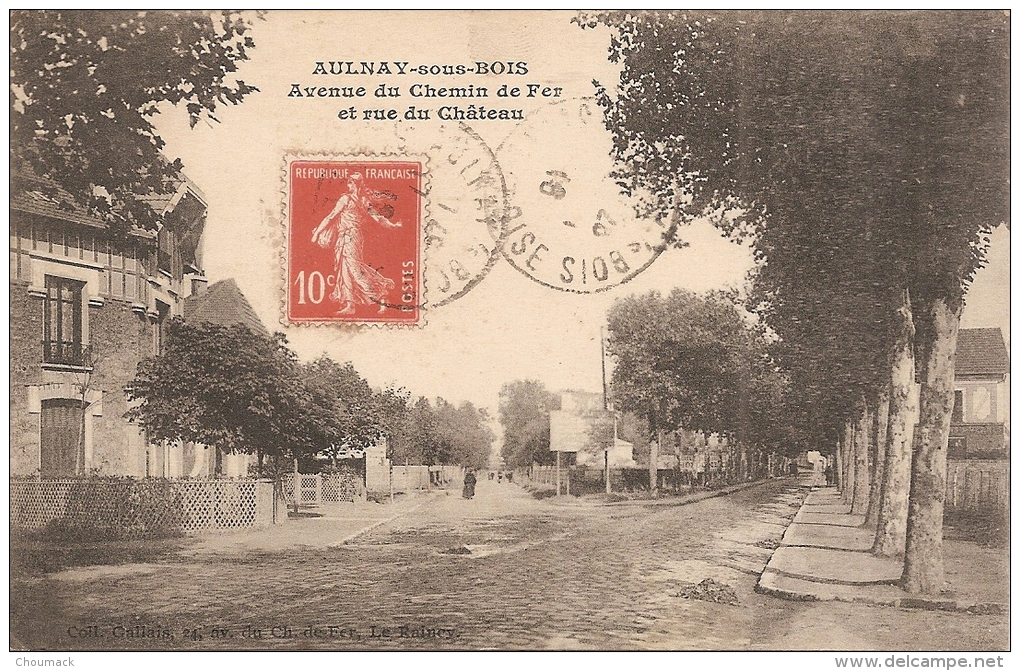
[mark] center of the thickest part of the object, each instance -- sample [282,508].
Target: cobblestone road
[502,571]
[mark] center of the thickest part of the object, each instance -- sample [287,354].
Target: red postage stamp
[354,237]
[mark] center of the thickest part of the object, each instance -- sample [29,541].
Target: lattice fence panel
[218,504]
[288,487]
[324,488]
[331,488]
[126,508]
[35,504]
[340,487]
[309,489]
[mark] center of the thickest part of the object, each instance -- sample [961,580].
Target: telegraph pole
[607,405]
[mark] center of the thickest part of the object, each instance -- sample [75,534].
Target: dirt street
[501,571]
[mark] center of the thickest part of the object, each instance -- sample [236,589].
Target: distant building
[979,428]
[222,304]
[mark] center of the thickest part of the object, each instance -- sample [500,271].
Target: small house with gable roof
[979,428]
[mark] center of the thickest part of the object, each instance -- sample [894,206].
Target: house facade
[979,428]
[85,309]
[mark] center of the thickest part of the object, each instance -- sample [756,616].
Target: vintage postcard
[510,330]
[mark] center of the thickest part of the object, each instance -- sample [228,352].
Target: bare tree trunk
[861,484]
[79,452]
[891,532]
[879,429]
[838,470]
[849,463]
[923,568]
[653,461]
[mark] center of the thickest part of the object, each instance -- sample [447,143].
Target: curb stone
[360,532]
[693,498]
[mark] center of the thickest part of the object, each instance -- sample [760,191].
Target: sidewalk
[825,556]
[333,526]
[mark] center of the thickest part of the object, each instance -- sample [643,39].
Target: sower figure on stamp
[357,283]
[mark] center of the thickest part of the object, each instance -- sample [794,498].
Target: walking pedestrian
[469,484]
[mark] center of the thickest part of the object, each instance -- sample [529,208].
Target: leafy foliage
[862,153]
[444,434]
[464,434]
[228,387]
[692,362]
[524,407]
[85,84]
[349,411]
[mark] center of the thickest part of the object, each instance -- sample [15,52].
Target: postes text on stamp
[465,200]
[354,240]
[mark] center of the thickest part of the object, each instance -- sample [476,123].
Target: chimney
[198,285]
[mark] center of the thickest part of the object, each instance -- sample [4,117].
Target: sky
[508,326]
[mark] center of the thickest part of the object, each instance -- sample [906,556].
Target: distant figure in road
[469,484]
[509,476]
[499,477]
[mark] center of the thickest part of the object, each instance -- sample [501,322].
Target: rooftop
[223,304]
[36,195]
[981,352]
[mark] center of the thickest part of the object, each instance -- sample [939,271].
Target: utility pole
[607,405]
[557,472]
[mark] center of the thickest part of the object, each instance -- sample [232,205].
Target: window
[62,322]
[981,405]
[165,251]
[159,328]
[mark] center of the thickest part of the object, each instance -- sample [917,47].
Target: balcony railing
[67,354]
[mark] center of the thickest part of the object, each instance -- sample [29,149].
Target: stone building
[85,309]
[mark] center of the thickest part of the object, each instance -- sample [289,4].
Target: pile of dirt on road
[709,590]
[459,550]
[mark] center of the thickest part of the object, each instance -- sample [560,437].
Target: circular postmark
[466,205]
[569,227]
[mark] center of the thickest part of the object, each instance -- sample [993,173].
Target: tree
[463,434]
[422,439]
[350,408]
[692,362]
[880,138]
[390,407]
[85,84]
[229,388]
[524,407]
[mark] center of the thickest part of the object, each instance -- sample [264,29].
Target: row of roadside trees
[242,392]
[865,157]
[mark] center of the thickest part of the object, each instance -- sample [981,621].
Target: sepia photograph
[370,331]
